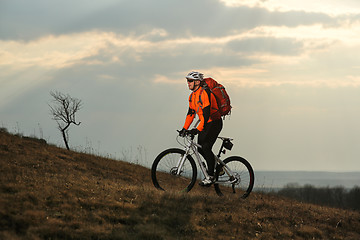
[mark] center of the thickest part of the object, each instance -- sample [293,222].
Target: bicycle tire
[164,168]
[244,174]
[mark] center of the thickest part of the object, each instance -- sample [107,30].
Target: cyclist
[203,103]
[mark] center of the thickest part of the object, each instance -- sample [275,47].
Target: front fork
[182,160]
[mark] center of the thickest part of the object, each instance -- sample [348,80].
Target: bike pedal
[207,182]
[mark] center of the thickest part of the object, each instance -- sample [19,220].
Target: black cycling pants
[206,139]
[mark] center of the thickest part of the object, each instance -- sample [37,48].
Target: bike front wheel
[242,181]
[166,176]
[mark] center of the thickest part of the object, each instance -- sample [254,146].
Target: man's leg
[207,139]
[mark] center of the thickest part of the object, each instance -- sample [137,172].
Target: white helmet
[195,76]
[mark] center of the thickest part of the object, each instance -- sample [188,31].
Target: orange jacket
[203,103]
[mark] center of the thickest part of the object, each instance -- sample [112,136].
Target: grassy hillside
[51,193]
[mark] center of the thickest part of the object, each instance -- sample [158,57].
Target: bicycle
[175,169]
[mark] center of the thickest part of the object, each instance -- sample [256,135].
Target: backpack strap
[201,91]
[200,101]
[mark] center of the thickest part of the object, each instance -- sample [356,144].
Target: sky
[291,69]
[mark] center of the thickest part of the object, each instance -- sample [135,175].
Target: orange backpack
[222,98]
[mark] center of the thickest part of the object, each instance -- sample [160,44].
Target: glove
[194,131]
[182,132]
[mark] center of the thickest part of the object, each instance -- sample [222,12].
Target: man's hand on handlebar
[183,132]
[194,131]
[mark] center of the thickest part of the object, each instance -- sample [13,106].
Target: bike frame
[191,146]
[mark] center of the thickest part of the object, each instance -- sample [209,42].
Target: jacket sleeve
[189,118]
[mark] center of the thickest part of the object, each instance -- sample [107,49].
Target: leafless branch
[63,112]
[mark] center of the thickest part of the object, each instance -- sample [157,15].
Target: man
[203,103]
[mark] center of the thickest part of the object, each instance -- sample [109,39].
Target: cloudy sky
[292,70]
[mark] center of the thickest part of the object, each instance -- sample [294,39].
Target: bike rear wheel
[164,171]
[244,178]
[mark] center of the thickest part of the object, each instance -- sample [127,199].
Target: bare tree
[63,111]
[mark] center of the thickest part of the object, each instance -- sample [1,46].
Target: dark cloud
[26,20]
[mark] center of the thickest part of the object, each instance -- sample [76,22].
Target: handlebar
[187,133]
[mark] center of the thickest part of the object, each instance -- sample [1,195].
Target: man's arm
[204,117]
[189,118]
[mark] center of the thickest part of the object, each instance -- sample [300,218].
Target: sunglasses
[190,80]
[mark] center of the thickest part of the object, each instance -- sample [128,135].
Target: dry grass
[51,193]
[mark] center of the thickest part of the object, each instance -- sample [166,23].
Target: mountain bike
[175,169]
